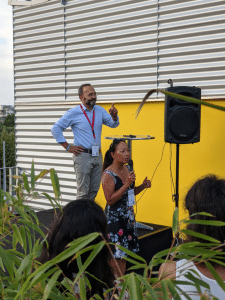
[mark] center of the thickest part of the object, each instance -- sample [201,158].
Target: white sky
[6,54]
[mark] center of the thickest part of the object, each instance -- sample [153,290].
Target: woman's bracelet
[68,147]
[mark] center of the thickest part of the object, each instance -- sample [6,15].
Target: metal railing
[7,182]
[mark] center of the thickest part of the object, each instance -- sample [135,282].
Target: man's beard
[89,102]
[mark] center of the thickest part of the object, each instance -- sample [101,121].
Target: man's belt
[90,150]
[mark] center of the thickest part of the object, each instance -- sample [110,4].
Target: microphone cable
[152,176]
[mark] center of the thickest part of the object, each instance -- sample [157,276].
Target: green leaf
[7,260]
[22,213]
[134,287]
[52,201]
[14,241]
[24,238]
[218,261]
[141,266]
[55,183]
[87,282]
[200,236]
[51,284]
[82,289]
[17,234]
[173,290]
[177,96]
[29,238]
[68,284]
[79,262]
[32,175]
[205,222]
[130,253]
[2,202]
[196,280]
[164,290]
[41,174]
[192,100]
[32,226]
[9,198]
[35,195]
[202,214]
[122,289]
[215,275]
[2,265]
[148,287]
[23,265]
[97,248]
[156,261]
[56,296]
[164,252]
[41,275]
[185,295]
[36,251]
[25,182]
[75,247]
[175,220]
[195,251]
[132,261]
[33,214]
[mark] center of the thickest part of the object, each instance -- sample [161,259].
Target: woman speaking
[118,186]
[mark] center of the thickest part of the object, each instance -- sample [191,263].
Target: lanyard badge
[131,199]
[95,147]
[95,150]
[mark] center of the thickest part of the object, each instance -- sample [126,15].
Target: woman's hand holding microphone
[130,179]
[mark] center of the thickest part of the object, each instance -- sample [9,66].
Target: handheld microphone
[131,165]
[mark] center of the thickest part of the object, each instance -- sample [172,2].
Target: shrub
[23,277]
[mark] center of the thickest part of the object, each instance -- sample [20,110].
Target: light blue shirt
[80,126]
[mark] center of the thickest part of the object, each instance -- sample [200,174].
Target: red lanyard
[93,119]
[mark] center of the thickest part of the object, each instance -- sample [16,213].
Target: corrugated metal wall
[191,44]
[124,48]
[39,72]
[111,44]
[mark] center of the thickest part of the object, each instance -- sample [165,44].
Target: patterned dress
[122,229]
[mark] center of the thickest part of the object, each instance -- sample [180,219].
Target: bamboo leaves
[23,277]
[29,187]
[178,96]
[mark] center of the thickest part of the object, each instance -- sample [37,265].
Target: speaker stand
[176,195]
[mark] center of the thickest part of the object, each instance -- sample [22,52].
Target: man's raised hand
[113,112]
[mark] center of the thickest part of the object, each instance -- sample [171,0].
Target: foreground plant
[23,277]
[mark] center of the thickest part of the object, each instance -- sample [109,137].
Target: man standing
[86,122]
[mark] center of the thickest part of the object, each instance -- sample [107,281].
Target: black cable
[159,162]
[152,176]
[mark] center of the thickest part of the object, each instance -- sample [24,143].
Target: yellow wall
[196,160]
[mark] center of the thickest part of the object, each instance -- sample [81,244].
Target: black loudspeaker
[182,119]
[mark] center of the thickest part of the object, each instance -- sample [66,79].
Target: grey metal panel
[39,74]
[34,142]
[112,45]
[39,57]
[191,44]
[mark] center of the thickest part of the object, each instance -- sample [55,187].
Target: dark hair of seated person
[79,218]
[207,195]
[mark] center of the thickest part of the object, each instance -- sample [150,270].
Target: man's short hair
[80,89]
